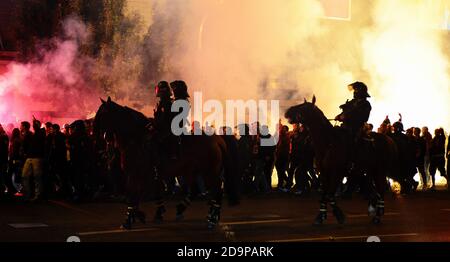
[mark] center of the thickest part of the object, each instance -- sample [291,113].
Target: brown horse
[331,144]
[141,149]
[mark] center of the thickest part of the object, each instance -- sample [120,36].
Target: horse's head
[106,118]
[303,113]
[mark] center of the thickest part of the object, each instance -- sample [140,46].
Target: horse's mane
[138,116]
[324,119]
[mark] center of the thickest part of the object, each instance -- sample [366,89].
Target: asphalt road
[424,216]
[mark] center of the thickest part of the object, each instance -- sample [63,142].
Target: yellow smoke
[404,55]
[226,48]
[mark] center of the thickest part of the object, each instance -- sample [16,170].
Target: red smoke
[55,86]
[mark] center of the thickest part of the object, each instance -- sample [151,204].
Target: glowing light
[403,54]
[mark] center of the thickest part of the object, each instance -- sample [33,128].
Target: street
[423,216]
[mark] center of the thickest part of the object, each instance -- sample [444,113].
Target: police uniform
[356,112]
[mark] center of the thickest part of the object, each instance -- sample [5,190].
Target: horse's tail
[231,175]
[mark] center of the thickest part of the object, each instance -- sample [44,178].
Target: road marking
[257,222]
[116,231]
[341,238]
[366,215]
[27,225]
[68,206]
[292,220]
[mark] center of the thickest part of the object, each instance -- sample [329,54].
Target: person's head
[410,132]
[264,130]
[369,127]
[179,89]
[56,128]
[196,125]
[226,130]
[417,132]
[36,125]
[425,130]
[25,126]
[15,133]
[10,127]
[48,128]
[243,129]
[162,90]
[359,90]
[437,132]
[398,127]
[284,130]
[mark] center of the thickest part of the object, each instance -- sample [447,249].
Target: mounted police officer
[162,113]
[354,116]
[356,112]
[180,93]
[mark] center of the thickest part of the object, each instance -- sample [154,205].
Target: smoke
[288,50]
[55,85]
[253,49]
[405,56]
[230,49]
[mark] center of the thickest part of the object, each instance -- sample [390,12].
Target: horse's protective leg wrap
[337,212]
[130,218]
[181,207]
[322,216]
[214,214]
[160,210]
[380,207]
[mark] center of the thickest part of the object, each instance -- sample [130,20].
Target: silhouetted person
[34,146]
[437,155]
[421,148]
[16,160]
[282,157]
[5,181]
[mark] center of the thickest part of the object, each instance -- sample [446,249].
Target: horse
[142,162]
[333,154]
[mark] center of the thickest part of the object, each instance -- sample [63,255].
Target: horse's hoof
[340,217]
[319,220]
[179,217]
[126,226]
[211,225]
[141,217]
[376,220]
[372,210]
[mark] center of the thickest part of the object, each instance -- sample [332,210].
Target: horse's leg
[380,183]
[215,206]
[322,216]
[336,179]
[189,179]
[337,211]
[215,203]
[159,196]
[182,206]
[134,195]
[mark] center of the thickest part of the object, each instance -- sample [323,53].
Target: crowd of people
[42,161]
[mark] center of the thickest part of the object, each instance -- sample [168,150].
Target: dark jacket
[355,113]
[36,146]
[4,147]
[437,149]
